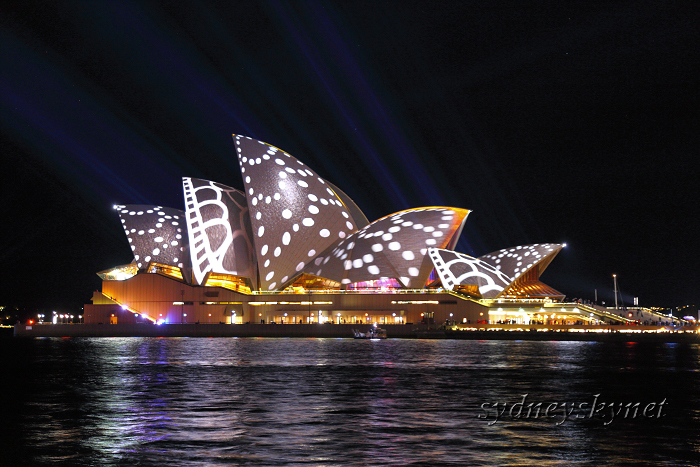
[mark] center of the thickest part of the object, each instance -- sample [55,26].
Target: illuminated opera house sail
[293,248]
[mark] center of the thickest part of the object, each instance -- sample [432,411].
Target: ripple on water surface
[143,401]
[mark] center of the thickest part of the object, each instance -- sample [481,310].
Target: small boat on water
[373,333]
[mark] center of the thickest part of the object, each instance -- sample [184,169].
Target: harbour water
[218,401]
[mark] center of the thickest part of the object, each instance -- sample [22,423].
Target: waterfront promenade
[406,331]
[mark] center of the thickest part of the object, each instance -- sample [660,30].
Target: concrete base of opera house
[407,331]
[204,330]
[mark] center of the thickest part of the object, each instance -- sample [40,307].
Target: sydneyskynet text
[607,412]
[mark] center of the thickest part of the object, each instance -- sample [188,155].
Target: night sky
[575,122]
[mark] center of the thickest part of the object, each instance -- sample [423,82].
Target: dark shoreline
[338,331]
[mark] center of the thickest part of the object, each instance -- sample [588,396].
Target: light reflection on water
[129,401]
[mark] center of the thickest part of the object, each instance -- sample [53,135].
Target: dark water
[157,402]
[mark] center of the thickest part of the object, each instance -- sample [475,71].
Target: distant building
[293,248]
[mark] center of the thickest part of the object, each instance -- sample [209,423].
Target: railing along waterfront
[605,328]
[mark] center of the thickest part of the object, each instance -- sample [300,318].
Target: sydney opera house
[293,248]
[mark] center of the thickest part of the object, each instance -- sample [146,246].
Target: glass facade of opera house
[293,248]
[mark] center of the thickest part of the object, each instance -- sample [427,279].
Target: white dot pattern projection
[516,261]
[219,230]
[387,248]
[155,232]
[302,214]
[459,269]
[284,217]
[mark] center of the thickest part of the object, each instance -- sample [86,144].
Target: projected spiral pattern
[219,230]
[459,269]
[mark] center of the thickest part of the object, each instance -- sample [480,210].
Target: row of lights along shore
[57,318]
